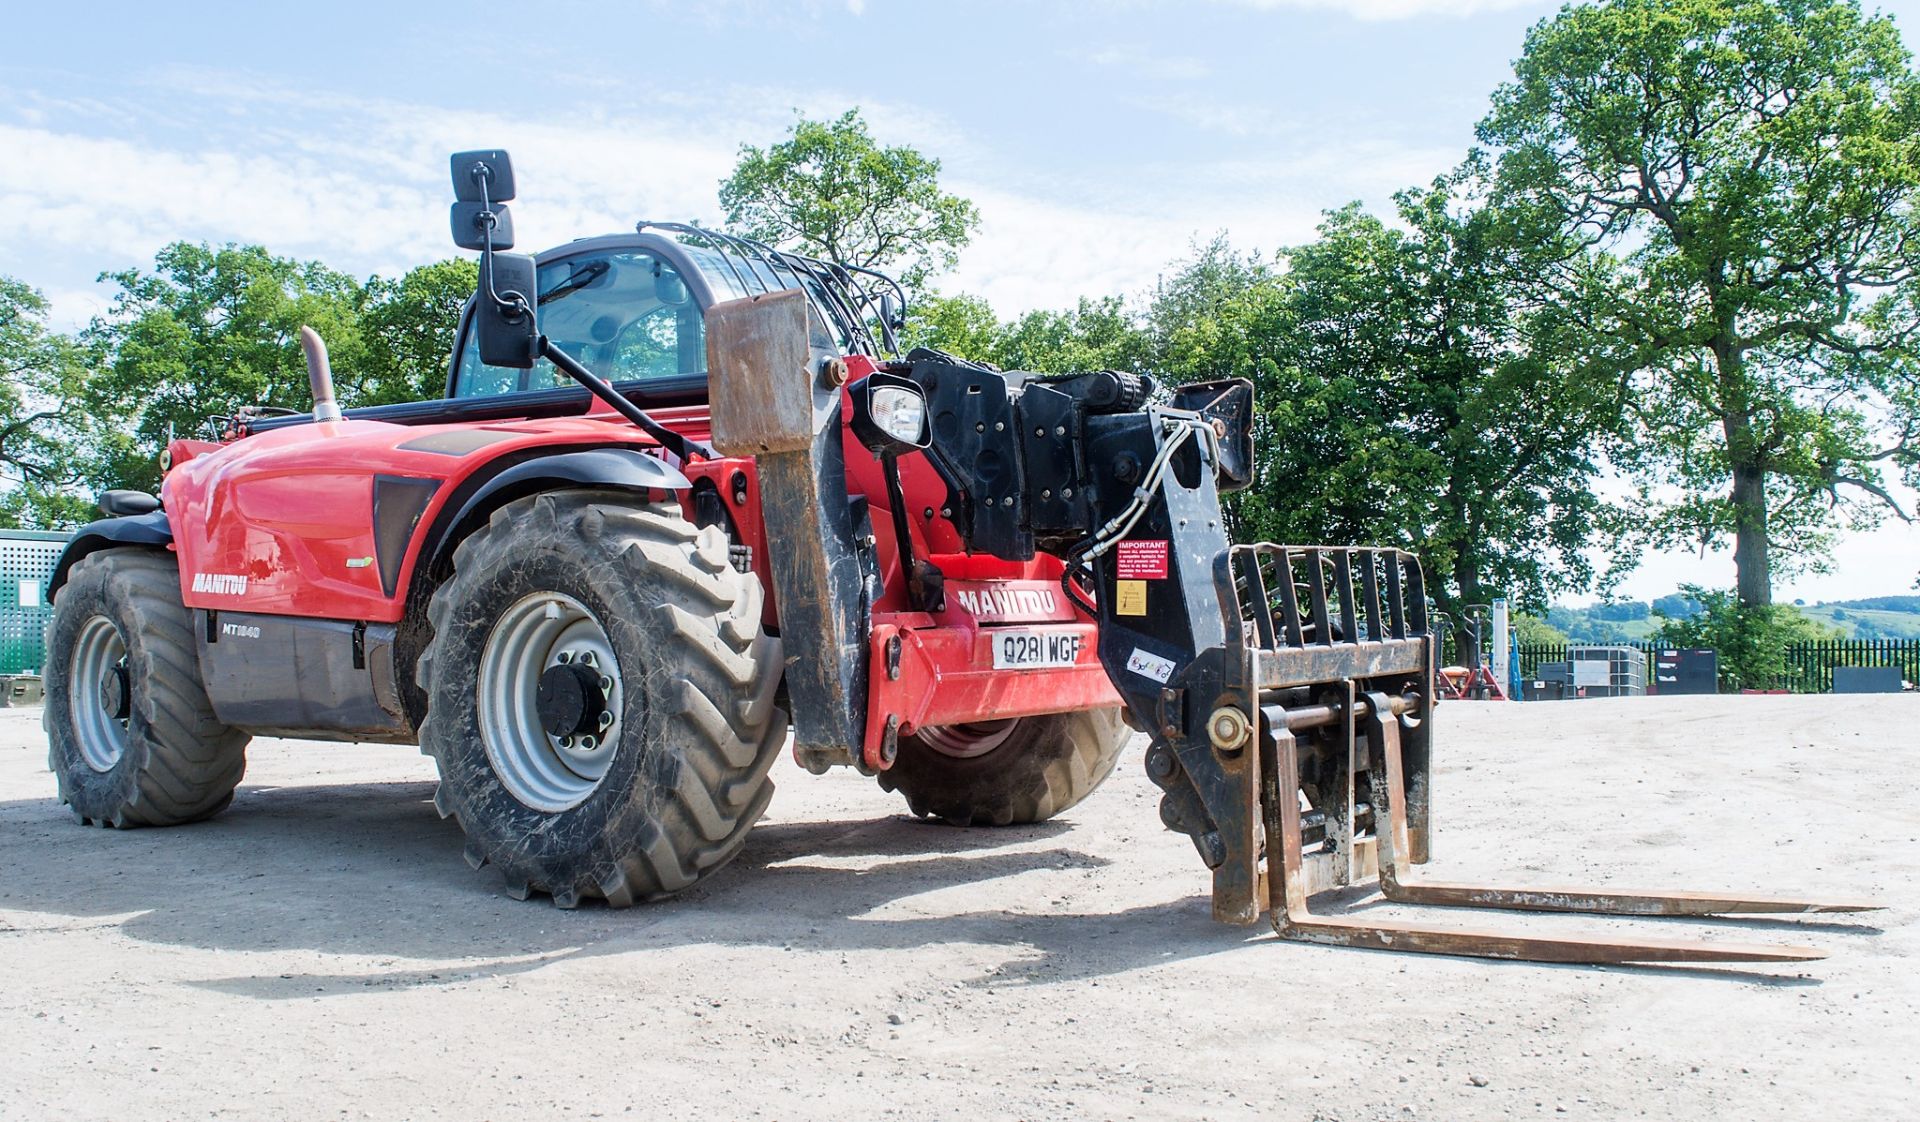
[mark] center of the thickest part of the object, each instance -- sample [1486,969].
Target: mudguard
[614,468]
[149,529]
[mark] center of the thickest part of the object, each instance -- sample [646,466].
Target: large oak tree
[1753,167]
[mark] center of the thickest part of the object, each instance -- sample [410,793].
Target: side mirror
[506,326]
[505,322]
[485,176]
[891,313]
[470,222]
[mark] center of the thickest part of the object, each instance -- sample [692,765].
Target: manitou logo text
[1008,603]
[220,584]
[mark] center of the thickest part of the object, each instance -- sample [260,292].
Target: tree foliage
[1404,396]
[1750,640]
[206,332]
[829,189]
[209,330]
[1533,631]
[43,428]
[1752,166]
[409,326]
[1093,335]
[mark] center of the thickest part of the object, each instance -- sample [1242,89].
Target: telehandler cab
[681,485]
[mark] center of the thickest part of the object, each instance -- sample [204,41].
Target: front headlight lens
[901,413]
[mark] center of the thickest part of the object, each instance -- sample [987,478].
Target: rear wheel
[131,736]
[600,698]
[1001,773]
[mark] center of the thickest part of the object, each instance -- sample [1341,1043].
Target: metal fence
[26,562]
[1809,665]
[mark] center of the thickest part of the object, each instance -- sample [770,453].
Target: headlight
[889,412]
[900,412]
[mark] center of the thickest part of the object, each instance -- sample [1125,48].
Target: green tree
[831,190]
[961,325]
[208,331]
[43,426]
[1405,396]
[1093,335]
[408,328]
[1532,631]
[1751,640]
[1754,167]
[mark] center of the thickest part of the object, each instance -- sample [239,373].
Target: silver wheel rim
[100,693]
[969,740]
[540,631]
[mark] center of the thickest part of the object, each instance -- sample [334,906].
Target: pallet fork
[1292,729]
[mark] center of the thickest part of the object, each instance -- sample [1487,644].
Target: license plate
[1032,650]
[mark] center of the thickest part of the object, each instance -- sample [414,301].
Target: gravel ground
[321,951]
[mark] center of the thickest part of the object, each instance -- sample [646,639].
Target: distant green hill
[1867,623]
[1872,617]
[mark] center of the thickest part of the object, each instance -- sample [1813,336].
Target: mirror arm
[680,445]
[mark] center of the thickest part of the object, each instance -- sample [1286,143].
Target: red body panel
[281,523]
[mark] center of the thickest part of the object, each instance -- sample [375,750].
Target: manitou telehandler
[679,487]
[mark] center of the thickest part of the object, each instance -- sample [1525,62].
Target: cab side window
[626,315]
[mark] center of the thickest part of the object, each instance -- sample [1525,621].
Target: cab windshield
[625,314]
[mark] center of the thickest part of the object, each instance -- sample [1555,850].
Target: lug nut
[606,684]
[589,742]
[563,657]
[606,719]
[565,741]
[586,658]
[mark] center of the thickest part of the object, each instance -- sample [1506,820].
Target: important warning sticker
[1130,597]
[1150,665]
[1140,560]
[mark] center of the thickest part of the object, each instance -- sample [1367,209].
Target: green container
[27,558]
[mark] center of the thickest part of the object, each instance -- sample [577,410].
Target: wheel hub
[100,715]
[969,740]
[569,700]
[550,701]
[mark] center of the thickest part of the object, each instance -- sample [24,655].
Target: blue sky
[1099,139]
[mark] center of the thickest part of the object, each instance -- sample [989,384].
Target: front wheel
[1007,772]
[600,698]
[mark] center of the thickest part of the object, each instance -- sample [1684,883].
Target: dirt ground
[320,950]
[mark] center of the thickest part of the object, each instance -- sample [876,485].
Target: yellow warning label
[1130,597]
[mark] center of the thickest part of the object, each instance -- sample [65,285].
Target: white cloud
[360,183]
[1379,10]
[1141,62]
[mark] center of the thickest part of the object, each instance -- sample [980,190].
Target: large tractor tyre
[600,698]
[1003,773]
[131,736]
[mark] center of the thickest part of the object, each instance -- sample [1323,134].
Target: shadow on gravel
[371,870]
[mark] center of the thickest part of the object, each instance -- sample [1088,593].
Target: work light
[889,412]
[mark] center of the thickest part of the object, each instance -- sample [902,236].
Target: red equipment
[595,604]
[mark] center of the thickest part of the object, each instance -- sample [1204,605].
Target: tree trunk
[1466,577]
[1752,563]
